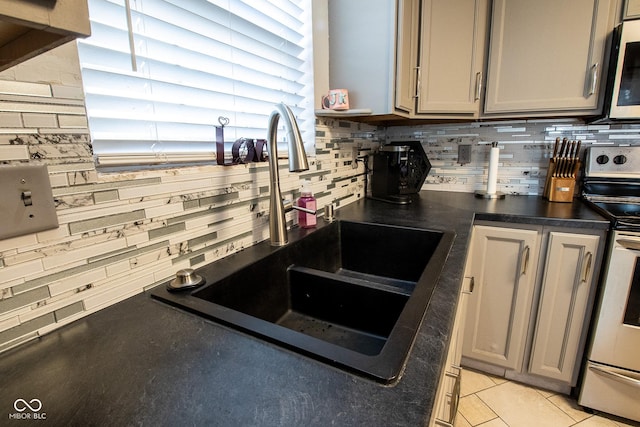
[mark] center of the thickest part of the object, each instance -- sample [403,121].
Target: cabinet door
[503,264]
[62,16]
[362,52]
[29,28]
[566,286]
[547,55]
[632,9]
[407,54]
[452,44]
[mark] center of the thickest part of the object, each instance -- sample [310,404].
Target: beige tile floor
[490,401]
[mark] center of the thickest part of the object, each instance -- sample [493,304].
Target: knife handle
[563,147]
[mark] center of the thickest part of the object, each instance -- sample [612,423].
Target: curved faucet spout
[297,162]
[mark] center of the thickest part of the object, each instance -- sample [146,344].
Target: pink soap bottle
[306,200]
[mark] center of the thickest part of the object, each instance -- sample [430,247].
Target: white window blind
[154,94]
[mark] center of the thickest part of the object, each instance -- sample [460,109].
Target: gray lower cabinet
[448,393]
[528,315]
[502,263]
[564,299]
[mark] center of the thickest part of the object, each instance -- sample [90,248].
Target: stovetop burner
[623,216]
[612,184]
[620,210]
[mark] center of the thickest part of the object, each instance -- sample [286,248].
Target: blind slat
[196,62]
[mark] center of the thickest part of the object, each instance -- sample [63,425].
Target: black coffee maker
[399,170]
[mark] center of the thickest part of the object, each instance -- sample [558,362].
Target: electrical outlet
[26,204]
[464,154]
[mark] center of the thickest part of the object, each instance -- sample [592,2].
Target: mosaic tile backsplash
[122,233]
[525,149]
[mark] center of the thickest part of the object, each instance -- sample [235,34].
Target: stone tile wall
[525,149]
[121,233]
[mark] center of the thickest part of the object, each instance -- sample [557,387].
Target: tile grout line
[492,410]
[550,397]
[568,414]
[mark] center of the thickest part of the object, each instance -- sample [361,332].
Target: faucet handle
[288,206]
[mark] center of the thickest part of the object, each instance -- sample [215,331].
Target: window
[158,74]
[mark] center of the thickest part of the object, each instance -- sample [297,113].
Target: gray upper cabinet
[548,56]
[407,54]
[409,58]
[452,45]
[29,28]
[468,59]
[362,52]
[632,9]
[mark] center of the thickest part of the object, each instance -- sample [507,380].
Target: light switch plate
[26,200]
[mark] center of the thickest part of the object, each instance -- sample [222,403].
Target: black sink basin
[349,293]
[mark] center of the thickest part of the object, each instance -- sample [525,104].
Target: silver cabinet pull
[455,400]
[472,285]
[586,266]
[525,260]
[417,95]
[478,85]
[594,79]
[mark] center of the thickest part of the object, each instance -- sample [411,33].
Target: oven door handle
[633,245]
[604,370]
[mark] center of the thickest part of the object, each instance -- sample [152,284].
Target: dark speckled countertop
[141,362]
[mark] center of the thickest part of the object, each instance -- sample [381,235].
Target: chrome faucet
[297,163]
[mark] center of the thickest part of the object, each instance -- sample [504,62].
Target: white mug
[336,99]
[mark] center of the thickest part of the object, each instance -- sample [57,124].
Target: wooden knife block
[560,189]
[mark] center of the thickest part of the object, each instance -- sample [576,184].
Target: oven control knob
[602,159]
[620,160]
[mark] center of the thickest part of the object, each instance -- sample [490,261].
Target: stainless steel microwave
[623,91]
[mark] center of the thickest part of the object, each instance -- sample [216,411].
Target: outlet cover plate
[464,154]
[26,204]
